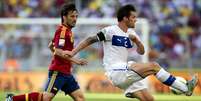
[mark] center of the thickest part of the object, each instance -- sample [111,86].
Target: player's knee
[146,99]
[79,97]
[150,98]
[47,97]
[155,66]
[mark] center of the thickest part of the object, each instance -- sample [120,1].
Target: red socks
[33,96]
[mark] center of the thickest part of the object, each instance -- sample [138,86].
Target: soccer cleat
[191,84]
[9,97]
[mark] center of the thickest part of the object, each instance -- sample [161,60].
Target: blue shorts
[59,81]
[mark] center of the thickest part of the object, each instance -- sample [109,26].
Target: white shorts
[136,86]
[127,79]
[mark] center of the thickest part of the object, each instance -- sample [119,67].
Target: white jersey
[116,44]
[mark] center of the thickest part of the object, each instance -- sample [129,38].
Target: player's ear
[64,17]
[125,18]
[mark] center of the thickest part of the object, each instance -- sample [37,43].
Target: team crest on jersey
[121,41]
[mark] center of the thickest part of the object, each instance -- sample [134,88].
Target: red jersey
[63,39]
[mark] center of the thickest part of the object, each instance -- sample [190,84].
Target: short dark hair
[125,11]
[66,8]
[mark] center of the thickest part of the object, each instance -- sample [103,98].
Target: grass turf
[120,97]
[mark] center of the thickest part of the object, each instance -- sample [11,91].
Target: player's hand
[82,62]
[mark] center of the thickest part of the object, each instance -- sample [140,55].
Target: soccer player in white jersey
[116,40]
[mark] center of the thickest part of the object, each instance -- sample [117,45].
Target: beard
[131,26]
[71,25]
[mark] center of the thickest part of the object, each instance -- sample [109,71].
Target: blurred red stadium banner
[91,82]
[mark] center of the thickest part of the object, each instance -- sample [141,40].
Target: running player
[60,77]
[117,39]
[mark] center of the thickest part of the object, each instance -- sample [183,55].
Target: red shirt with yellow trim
[63,39]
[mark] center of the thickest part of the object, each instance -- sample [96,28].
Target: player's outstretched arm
[78,61]
[140,46]
[61,53]
[83,44]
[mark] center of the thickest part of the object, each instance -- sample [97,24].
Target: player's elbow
[50,45]
[140,51]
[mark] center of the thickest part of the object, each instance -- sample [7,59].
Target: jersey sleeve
[103,35]
[59,39]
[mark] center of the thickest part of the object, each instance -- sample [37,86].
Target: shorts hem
[135,90]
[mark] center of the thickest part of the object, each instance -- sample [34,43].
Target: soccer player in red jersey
[60,77]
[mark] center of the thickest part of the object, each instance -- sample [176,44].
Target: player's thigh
[55,82]
[72,88]
[70,85]
[123,79]
[145,69]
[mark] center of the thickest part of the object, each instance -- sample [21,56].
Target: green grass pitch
[120,97]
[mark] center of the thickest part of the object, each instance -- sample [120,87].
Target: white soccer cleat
[191,84]
[9,97]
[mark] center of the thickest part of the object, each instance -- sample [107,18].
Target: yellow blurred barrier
[22,81]
[91,82]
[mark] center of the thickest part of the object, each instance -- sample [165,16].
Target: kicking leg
[146,69]
[170,80]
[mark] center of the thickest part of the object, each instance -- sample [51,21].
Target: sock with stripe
[33,96]
[169,80]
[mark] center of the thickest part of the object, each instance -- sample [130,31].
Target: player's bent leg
[47,96]
[146,69]
[170,80]
[142,95]
[77,95]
